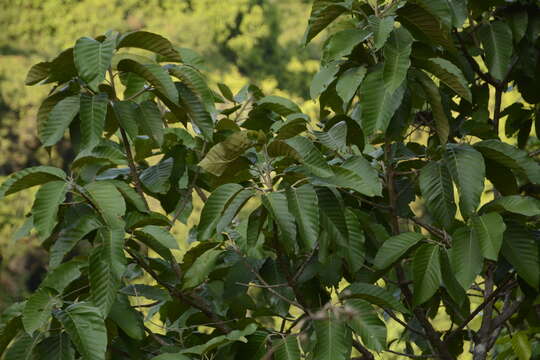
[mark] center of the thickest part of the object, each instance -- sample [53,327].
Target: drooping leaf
[92,59]
[234,208]
[127,318]
[86,329]
[349,82]
[277,206]
[466,166]
[374,295]
[233,336]
[37,73]
[126,113]
[465,257]
[196,82]
[146,291]
[323,12]
[434,98]
[395,247]
[488,229]
[323,78]
[37,311]
[287,348]
[333,219]
[303,204]
[213,208]
[427,275]
[523,205]
[496,39]
[381,29]
[379,103]
[196,111]
[93,114]
[449,281]
[151,42]
[439,8]
[333,339]
[278,104]
[200,269]
[448,73]
[221,155]
[158,239]
[366,323]
[397,61]
[293,125]
[45,209]
[438,192]
[131,195]
[58,120]
[30,177]
[356,245]
[151,123]
[520,248]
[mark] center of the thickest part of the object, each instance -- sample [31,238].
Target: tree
[310,242]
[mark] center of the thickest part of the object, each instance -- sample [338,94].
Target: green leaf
[233,336]
[154,74]
[151,42]
[394,248]
[334,138]
[131,195]
[22,348]
[200,269]
[342,44]
[333,339]
[127,318]
[29,177]
[221,155]
[397,52]
[10,323]
[156,178]
[434,98]
[348,83]
[511,157]
[151,123]
[214,207]
[171,356]
[323,79]
[92,59]
[366,323]
[86,329]
[496,39]
[521,345]
[58,120]
[374,295]
[287,349]
[447,73]
[465,257]
[93,114]
[517,204]
[293,125]
[355,249]
[101,155]
[278,104]
[303,204]
[449,281]
[196,111]
[60,277]
[106,266]
[466,166]
[381,29]
[127,114]
[521,250]
[158,239]
[107,200]
[234,208]
[323,12]
[62,67]
[37,73]
[196,82]
[439,8]
[379,103]
[333,219]
[45,209]
[37,311]
[69,236]
[438,192]
[56,347]
[488,229]
[146,291]
[427,275]
[277,205]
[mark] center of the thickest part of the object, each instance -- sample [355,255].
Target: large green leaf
[447,73]
[158,239]
[427,275]
[434,98]
[523,205]
[397,61]
[379,103]
[233,336]
[150,121]
[131,195]
[521,345]
[394,248]
[439,8]
[29,177]
[234,208]
[37,73]
[156,178]
[520,248]
[449,281]
[496,39]
[107,200]
[466,166]
[127,114]
[154,74]
[37,311]
[106,266]
[196,82]
[278,104]
[196,111]
[56,347]
[86,329]
[334,339]
[342,43]
[45,209]
[93,114]
[381,29]
[465,257]
[52,130]
[354,252]
[151,42]
[303,204]
[333,219]
[302,150]
[287,349]
[214,207]
[348,83]
[374,295]
[366,323]
[323,12]
[276,203]
[92,59]
[488,229]
[511,157]
[438,192]
[221,155]
[200,269]
[334,138]
[22,348]
[60,277]
[323,78]
[127,318]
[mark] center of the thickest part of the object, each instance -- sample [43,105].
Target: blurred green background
[240,41]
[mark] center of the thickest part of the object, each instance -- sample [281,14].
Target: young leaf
[287,349]
[466,166]
[93,114]
[303,204]
[427,275]
[58,120]
[86,329]
[397,61]
[333,339]
[200,269]
[488,229]
[394,248]
[151,42]
[30,177]
[213,208]
[465,257]
[45,209]
[496,39]
[92,59]
[438,192]
[366,323]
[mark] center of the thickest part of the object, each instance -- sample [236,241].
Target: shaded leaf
[438,192]
[496,39]
[348,83]
[397,61]
[374,295]
[277,205]
[221,155]
[214,207]
[366,323]
[521,250]
[447,73]
[200,269]
[488,230]
[434,98]
[323,12]
[395,247]
[427,275]
[303,204]
[333,339]
[93,112]
[58,120]
[46,204]
[465,257]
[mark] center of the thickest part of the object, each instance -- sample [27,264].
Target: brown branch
[402,323]
[484,76]
[440,233]
[366,354]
